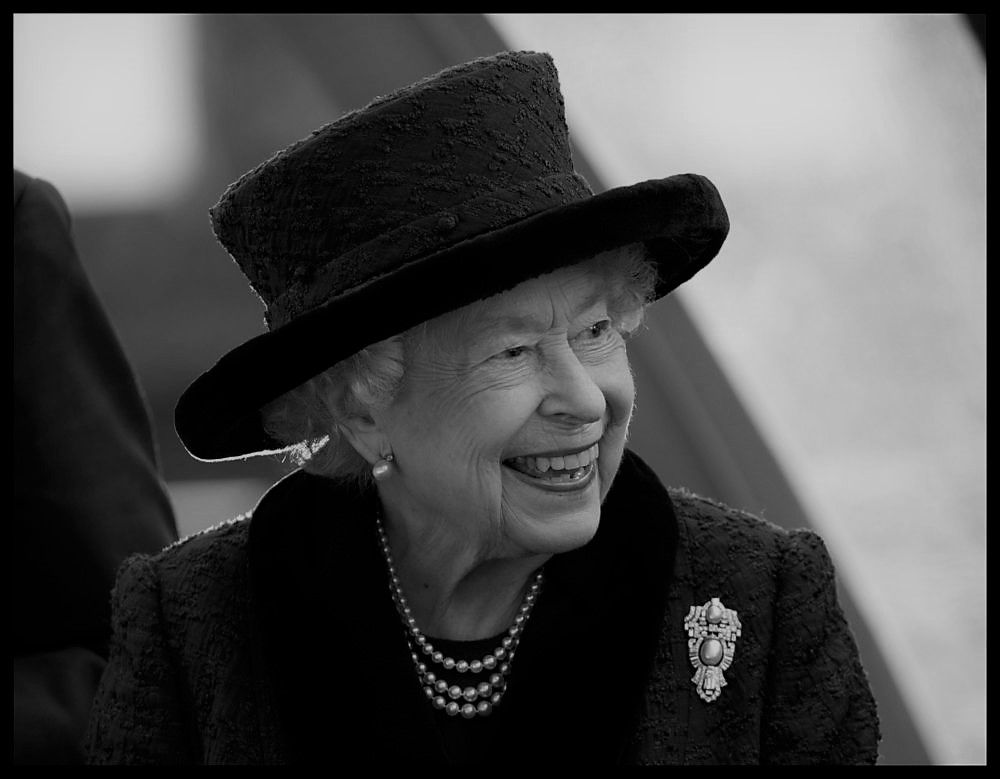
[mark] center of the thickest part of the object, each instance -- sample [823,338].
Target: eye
[513,353]
[599,329]
[595,338]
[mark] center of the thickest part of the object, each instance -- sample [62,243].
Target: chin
[546,520]
[575,533]
[554,533]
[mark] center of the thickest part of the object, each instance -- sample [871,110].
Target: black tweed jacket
[273,639]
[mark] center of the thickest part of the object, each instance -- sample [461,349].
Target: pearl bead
[714,614]
[472,700]
[710,652]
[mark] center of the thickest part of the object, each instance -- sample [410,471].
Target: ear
[366,436]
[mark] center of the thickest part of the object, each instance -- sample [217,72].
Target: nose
[572,394]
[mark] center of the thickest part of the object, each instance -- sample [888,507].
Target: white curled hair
[310,419]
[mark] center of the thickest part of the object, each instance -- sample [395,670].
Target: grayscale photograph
[575,390]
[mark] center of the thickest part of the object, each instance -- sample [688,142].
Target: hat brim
[681,220]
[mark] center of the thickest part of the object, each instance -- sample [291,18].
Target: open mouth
[572,469]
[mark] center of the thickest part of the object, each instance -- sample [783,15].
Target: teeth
[570,462]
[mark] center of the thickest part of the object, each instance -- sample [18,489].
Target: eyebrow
[520,323]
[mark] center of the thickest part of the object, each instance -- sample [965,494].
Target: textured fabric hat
[451,190]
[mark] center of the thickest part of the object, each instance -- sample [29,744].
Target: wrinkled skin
[539,369]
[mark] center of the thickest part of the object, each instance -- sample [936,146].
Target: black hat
[449,191]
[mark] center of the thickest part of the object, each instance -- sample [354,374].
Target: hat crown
[392,181]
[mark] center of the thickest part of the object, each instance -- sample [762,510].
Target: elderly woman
[469,566]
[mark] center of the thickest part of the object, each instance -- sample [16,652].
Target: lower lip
[566,486]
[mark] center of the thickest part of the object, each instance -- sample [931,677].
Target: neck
[455,589]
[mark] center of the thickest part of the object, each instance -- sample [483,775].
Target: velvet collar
[336,655]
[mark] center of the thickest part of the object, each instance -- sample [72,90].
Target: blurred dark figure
[87,488]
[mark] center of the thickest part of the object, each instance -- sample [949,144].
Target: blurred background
[827,370]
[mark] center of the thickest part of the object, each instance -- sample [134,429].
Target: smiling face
[511,421]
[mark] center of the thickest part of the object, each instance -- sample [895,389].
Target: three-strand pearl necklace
[476,699]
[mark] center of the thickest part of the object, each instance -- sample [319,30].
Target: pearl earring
[382,469]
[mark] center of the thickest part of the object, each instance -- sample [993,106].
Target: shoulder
[193,599]
[707,514]
[715,537]
[715,529]
[217,543]
[710,528]
[196,567]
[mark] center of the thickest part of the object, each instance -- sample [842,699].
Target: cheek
[472,432]
[619,392]
[616,383]
[502,417]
